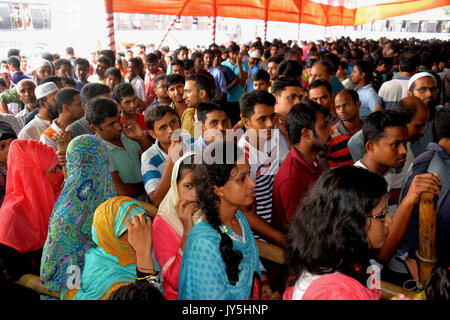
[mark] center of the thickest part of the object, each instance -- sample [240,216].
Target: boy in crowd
[213,117]
[265,155]
[157,162]
[124,145]
[160,91]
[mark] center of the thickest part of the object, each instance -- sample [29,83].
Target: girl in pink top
[176,216]
[334,233]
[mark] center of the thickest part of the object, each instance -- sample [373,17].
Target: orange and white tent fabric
[317,12]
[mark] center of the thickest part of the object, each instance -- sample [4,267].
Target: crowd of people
[322,148]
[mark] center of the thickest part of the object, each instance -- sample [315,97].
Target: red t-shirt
[149,86]
[294,178]
[140,121]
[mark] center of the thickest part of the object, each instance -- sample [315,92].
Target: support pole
[168,30]
[426,253]
[214,22]
[110,25]
[266,17]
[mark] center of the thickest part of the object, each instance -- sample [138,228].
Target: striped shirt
[339,154]
[263,168]
[153,161]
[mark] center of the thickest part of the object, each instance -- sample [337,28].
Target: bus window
[5,18]
[40,17]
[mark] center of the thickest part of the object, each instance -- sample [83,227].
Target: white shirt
[139,87]
[22,115]
[34,128]
[47,140]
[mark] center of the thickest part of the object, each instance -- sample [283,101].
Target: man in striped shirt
[262,148]
[347,109]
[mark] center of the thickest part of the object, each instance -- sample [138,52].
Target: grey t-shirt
[79,127]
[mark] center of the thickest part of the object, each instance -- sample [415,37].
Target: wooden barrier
[277,254]
[33,282]
[426,253]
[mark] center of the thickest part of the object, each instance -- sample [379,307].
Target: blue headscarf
[89,184]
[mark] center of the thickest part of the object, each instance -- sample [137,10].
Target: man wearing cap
[253,64]
[42,68]
[423,86]
[48,111]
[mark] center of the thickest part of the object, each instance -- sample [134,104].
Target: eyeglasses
[425,89]
[381,216]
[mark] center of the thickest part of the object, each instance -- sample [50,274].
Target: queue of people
[321,148]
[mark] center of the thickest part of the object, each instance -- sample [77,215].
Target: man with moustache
[309,131]
[385,133]
[48,111]
[124,144]
[347,109]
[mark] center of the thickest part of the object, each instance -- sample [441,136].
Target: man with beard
[196,90]
[385,133]
[42,69]
[124,145]
[309,132]
[48,111]
[68,101]
[423,86]
[25,90]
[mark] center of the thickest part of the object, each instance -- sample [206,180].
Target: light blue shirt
[369,98]
[234,94]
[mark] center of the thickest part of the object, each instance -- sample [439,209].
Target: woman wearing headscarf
[123,252]
[34,183]
[177,214]
[7,135]
[88,185]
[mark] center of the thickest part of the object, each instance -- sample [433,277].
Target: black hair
[277,59]
[140,290]
[92,90]
[374,125]
[188,64]
[13,52]
[110,55]
[261,74]
[105,60]
[151,58]
[280,84]
[123,90]
[353,94]
[158,78]
[366,68]
[289,68]
[196,55]
[68,80]
[3,82]
[408,62]
[114,72]
[248,101]
[437,286]
[427,59]
[327,64]
[201,83]
[82,61]
[187,164]
[65,96]
[318,83]
[14,61]
[100,108]
[206,107]
[173,79]
[327,231]
[52,78]
[303,115]
[206,177]
[333,60]
[156,113]
[60,62]
[69,50]
[344,65]
[442,123]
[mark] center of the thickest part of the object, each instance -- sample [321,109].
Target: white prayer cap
[45,89]
[420,75]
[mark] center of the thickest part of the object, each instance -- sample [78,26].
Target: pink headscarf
[31,193]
